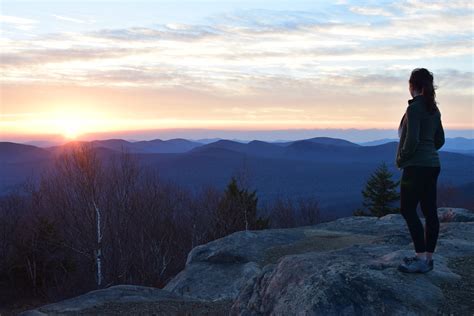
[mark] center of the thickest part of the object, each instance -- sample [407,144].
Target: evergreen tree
[237,211]
[380,193]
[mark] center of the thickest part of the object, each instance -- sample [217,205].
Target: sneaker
[408,259]
[415,265]
[430,264]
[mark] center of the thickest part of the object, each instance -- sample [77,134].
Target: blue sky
[78,67]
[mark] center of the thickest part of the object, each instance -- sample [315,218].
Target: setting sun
[70,129]
[72,124]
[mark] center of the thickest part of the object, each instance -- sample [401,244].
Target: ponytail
[422,80]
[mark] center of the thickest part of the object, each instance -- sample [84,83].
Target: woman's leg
[409,198]
[430,209]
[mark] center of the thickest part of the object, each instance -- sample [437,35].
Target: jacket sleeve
[413,134]
[439,136]
[401,134]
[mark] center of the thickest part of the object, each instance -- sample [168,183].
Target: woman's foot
[428,260]
[415,265]
[430,264]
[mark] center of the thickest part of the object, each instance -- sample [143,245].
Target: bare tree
[11,209]
[75,188]
[283,212]
[204,204]
[309,212]
[289,212]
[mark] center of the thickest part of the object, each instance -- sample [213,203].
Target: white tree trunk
[245,215]
[98,257]
[246,220]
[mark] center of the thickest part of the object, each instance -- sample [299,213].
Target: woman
[421,136]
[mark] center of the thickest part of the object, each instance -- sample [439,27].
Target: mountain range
[332,170]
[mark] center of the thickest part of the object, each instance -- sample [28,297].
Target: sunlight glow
[71,123]
[70,128]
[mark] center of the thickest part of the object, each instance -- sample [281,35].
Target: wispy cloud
[417,6]
[20,23]
[370,11]
[70,19]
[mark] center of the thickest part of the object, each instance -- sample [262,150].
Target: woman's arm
[439,136]
[413,134]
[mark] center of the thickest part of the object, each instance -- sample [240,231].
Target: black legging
[418,184]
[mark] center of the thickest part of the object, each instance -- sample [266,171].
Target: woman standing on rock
[421,136]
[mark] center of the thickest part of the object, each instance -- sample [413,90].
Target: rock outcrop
[132,300]
[344,267]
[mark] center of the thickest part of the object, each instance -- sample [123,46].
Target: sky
[78,68]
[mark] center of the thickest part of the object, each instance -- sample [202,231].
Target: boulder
[343,267]
[131,300]
[363,279]
[220,268]
[450,214]
[357,280]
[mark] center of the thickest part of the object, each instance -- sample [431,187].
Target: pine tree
[237,211]
[380,192]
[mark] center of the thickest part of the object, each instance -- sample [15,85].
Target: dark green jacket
[421,136]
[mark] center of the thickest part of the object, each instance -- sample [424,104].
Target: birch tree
[76,185]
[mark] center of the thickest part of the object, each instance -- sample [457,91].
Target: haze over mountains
[330,169]
[455,144]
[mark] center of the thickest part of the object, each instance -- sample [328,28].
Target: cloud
[249,51]
[69,19]
[15,20]
[370,11]
[239,110]
[14,115]
[18,22]
[415,6]
[265,20]
[163,32]
[39,57]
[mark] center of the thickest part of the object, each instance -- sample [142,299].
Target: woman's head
[421,82]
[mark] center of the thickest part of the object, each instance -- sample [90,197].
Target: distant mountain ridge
[292,149]
[324,140]
[314,149]
[456,144]
[16,153]
[334,170]
[176,145]
[460,145]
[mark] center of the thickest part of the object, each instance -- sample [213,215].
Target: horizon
[75,70]
[352,135]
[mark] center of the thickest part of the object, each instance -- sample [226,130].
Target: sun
[73,123]
[71,132]
[70,128]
